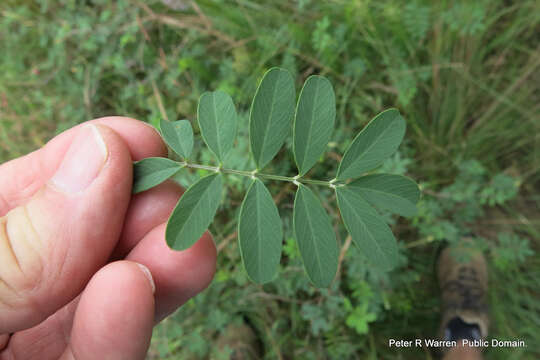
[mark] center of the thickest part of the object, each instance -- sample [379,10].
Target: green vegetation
[464,75]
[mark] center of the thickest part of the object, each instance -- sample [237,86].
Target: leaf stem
[257,174]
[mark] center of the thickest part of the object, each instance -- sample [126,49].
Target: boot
[241,341]
[463,279]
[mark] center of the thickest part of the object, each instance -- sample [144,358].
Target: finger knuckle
[20,256]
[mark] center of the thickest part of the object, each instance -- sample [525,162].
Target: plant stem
[258,175]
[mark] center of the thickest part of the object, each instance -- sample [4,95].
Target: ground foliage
[463,74]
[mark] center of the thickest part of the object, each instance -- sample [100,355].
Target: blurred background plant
[464,74]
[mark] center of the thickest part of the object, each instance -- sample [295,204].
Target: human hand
[72,237]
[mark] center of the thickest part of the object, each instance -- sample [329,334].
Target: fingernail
[148,275]
[83,161]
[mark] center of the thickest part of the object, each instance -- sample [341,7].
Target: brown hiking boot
[240,342]
[463,280]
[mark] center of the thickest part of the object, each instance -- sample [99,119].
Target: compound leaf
[315,237]
[368,230]
[260,233]
[217,120]
[313,122]
[178,135]
[150,172]
[270,115]
[194,212]
[377,141]
[395,193]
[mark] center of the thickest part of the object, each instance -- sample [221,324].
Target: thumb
[52,244]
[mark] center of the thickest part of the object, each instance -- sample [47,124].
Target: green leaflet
[395,193]
[194,212]
[217,120]
[260,233]
[313,122]
[178,135]
[271,112]
[367,229]
[315,237]
[377,141]
[150,172]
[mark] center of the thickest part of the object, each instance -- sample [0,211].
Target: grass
[464,74]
